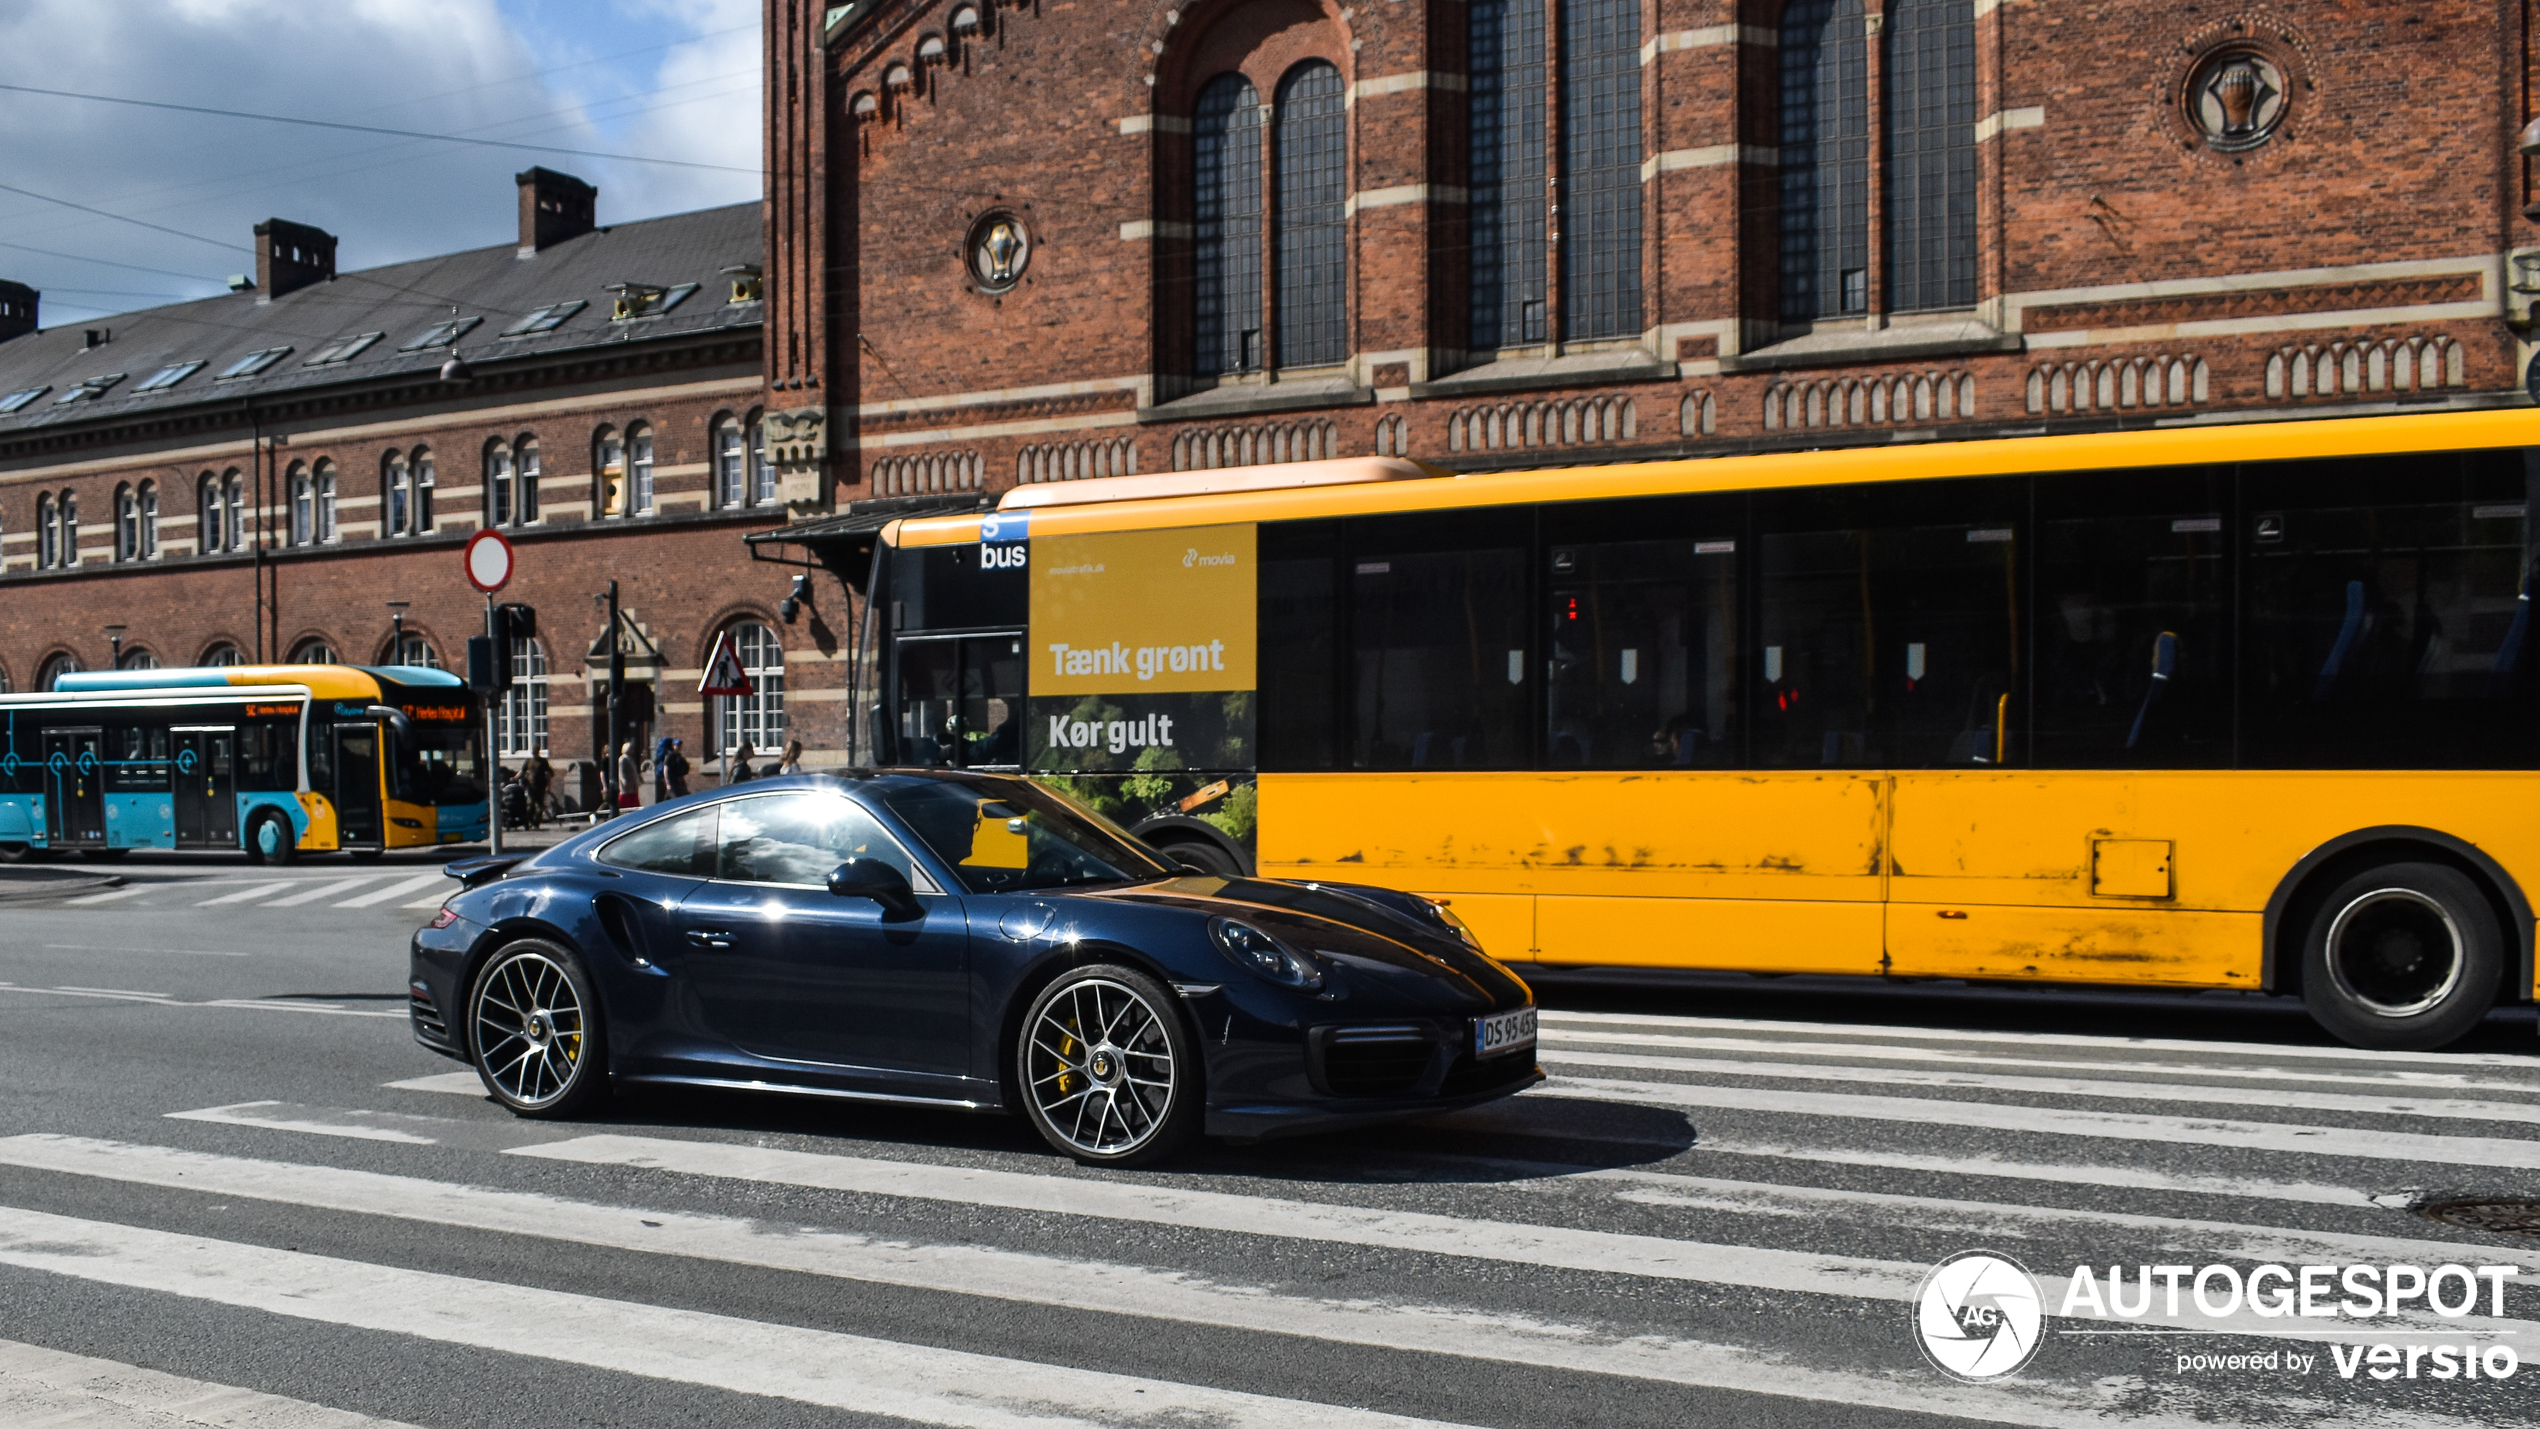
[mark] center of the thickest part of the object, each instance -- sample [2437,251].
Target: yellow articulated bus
[275,760]
[2226,706]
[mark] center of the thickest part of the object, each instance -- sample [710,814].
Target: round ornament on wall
[999,248]
[2237,98]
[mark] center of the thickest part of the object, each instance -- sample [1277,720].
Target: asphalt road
[234,1192]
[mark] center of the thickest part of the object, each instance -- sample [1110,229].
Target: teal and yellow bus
[276,760]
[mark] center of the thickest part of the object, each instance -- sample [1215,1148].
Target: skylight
[253,363]
[343,349]
[170,375]
[546,319]
[21,397]
[635,300]
[89,390]
[441,334]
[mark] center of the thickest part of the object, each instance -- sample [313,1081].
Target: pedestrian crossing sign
[724,675]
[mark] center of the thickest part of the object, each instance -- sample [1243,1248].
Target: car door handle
[710,937]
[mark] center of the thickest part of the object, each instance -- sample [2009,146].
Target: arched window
[1311,139]
[237,511]
[325,500]
[1930,84]
[396,493]
[47,539]
[639,468]
[303,504]
[1825,159]
[66,508]
[498,484]
[5,686]
[50,673]
[1226,232]
[149,521]
[410,648]
[757,718]
[315,652]
[608,469]
[520,721]
[731,464]
[762,471]
[422,464]
[222,655]
[127,525]
[525,478]
[137,657]
[210,532]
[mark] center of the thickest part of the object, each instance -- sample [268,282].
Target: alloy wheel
[1100,1068]
[530,1029]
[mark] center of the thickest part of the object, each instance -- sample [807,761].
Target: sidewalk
[39,880]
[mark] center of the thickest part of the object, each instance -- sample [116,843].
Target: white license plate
[1506,1032]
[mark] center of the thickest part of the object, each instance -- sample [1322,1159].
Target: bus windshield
[437,764]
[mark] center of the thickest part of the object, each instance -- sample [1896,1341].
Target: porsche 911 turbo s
[963,940]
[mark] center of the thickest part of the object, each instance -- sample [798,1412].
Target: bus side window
[1643,654]
[136,759]
[322,757]
[1439,658]
[2132,620]
[2385,609]
[268,756]
[1299,649]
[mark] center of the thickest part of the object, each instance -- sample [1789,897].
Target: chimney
[17,309]
[553,208]
[290,256]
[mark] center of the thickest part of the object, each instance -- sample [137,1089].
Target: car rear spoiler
[473,871]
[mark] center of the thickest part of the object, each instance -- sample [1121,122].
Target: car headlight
[1258,953]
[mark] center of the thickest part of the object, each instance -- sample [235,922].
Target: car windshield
[437,764]
[1007,836]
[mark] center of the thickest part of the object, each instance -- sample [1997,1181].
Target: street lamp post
[114,641]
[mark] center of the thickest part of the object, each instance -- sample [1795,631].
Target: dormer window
[88,391]
[252,363]
[342,349]
[749,282]
[20,398]
[441,334]
[641,300]
[170,375]
[546,319]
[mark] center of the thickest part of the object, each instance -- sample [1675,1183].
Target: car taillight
[445,917]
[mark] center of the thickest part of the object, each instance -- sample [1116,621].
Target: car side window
[682,845]
[800,838]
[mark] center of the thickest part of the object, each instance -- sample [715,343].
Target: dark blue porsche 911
[964,940]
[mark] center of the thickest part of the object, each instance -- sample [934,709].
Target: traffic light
[516,622]
[489,671]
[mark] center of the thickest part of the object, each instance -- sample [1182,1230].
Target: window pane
[757,718]
[800,838]
[1226,229]
[1507,200]
[1438,659]
[2387,613]
[1825,142]
[1600,127]
[1643,655]
[684,844]
[2133,621]
[1312,233]
[1300,642]
[1931,154]
[1889,642]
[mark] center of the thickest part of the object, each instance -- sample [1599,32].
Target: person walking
[630,777]
[739,771]
[792,763]
[675,768]
[538,776]
[661,768]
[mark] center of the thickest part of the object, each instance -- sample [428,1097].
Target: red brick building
[1019,242]
[287,473]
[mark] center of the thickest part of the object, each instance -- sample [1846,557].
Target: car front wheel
[1109,1074]
[535,1028]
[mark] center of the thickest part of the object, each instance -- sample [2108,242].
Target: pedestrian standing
[538,776]
[740,770]
[661,768]
[792,763]
[630,777]
[677,769]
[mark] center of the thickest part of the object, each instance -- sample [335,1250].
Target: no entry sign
[489,560]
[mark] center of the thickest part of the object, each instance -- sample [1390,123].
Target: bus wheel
[15,853]
[270,839]
[1202,855]
[103,855]
[2406,957]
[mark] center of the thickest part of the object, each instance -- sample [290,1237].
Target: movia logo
[1004,538]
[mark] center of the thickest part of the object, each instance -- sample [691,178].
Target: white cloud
[444,66]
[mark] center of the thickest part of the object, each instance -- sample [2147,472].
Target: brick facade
[2374,226]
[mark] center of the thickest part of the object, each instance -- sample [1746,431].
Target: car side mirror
[879,881]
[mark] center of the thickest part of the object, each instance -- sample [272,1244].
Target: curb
[13,888]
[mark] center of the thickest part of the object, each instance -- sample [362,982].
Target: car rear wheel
[2406,956]
[1109,1074]
[534,1026]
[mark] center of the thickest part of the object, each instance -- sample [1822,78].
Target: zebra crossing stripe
[249,893]
[324,890]
[49,1387]
[395,890]
[819,1367]
[116,895]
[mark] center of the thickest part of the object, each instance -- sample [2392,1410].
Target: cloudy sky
[659,79]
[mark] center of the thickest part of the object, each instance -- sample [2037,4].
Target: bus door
[74,786]
[356,793]
[960,700]
[206,769]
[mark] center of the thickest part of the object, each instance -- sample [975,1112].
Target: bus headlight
[1264,956]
